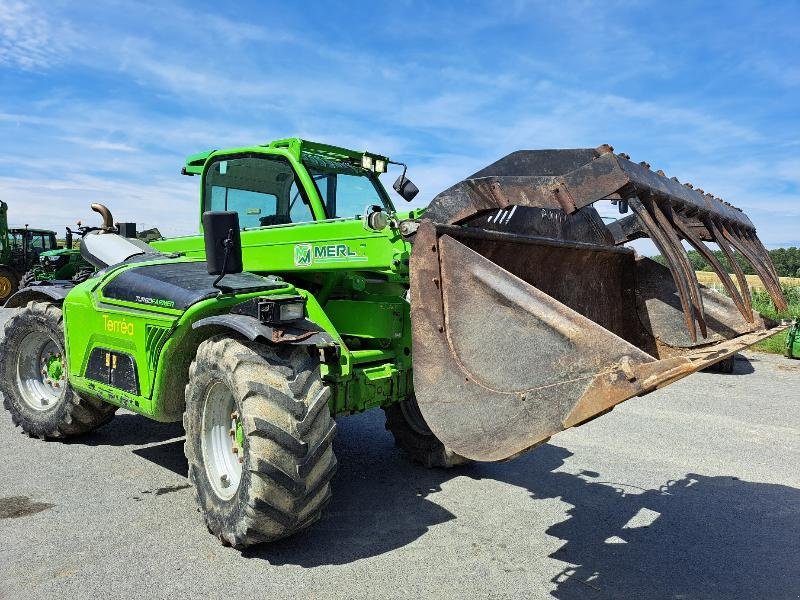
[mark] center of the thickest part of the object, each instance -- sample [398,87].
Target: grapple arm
[664,210]
[530,316]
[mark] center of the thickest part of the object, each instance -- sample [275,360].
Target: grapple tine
[759,249]
[667,251]
[726,280]
[691,278]
[772,285]
[727,250]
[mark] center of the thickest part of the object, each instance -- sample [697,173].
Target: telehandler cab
[500,315]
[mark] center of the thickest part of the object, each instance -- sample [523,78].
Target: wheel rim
[41,372]
[222,441]
[5,286]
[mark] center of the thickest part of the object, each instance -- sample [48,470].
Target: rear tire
[413,436]
[272,406]
[8,284]
[82,275]
[27,279]
[33,377]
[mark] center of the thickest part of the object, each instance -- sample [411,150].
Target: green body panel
[354,280]
[152,335]
[334,245]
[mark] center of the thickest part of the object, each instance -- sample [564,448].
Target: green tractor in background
[67,264]
[500,315]
[20,249]
[63,264]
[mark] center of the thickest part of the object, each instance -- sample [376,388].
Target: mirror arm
[228,245]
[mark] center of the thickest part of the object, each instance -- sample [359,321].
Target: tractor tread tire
[72,415]
[422,448]
[82,275]
[288,454]
[27,279]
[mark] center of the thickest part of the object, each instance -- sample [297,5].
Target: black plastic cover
[179,285]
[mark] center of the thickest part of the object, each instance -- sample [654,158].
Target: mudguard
[56,292]
[301,332]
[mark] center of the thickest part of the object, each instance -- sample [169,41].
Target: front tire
[33,377]
[258,439]
[413,436]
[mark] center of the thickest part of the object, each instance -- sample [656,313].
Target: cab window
[346,189]
[262,189]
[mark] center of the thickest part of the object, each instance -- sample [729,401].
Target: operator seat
[104,249]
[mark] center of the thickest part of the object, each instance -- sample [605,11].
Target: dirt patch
[14,507]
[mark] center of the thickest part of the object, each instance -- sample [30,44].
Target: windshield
[261,189]
[345,189]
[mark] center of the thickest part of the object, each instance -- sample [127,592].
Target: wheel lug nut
[225,480]
[231,432]
[241,460]
[236,449]
[235,415]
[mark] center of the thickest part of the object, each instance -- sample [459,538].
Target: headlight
[278,309]
[290,311]
[366,162]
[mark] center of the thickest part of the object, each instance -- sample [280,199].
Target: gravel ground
[690,492]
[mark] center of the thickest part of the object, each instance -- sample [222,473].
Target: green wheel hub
[55,367]
[41,375]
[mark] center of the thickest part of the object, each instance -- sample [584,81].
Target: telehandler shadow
[129,429]
[693,537]
[696,536]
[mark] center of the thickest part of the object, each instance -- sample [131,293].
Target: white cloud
[180,79]
[29,39]
[54,203]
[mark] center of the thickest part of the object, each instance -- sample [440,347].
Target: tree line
[786,261]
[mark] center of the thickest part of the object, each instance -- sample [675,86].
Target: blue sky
[102,101]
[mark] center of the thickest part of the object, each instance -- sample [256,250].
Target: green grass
[763,304]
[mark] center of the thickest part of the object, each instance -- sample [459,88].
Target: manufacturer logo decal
[307,254]
[302,255]
[117,326]
[160,302]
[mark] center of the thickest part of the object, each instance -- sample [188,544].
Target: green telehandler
[503,313]
[20,249]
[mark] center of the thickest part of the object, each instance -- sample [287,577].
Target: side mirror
[405,187]
[223,242]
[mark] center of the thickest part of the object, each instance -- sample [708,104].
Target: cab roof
[30,230]
[296,147]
